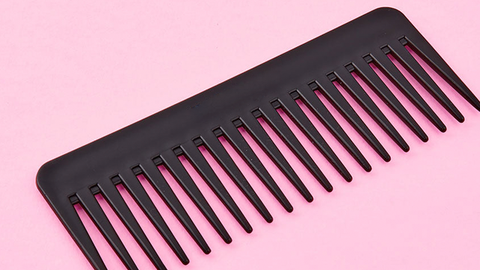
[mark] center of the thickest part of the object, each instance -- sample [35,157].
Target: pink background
[71,72]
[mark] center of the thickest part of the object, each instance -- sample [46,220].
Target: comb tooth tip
[249,229]
[185,261]
[348,178]
[424,138]
[228,240]
[329,188]
[461,118]
[442,128]
[387,158]
[405,148]
[309,199]
[289,208]
[367,167]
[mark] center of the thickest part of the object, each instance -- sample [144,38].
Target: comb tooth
[116,201]
[367,103]
[222,156]
[100,219]
[211,178]
[409,62]
[254,127]
[292,108]
[70,219]
[428,53]
[166,192]
[402,83]
[133,185]
[252,160]
[274,119]
[194,193]
[329,121]
[382,90]
[349,113]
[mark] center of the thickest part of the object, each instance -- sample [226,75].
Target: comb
[314,67]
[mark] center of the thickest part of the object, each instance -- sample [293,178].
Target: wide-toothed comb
[76,177]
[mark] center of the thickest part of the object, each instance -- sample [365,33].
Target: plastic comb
[76,177]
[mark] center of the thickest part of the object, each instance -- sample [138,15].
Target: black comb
[96,168]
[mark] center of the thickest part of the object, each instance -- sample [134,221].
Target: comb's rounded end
[41,176]
[47,178]
[389,11]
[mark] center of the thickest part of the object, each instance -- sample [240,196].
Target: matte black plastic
[323,66]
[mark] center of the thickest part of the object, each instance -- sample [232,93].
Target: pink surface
[72,72]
